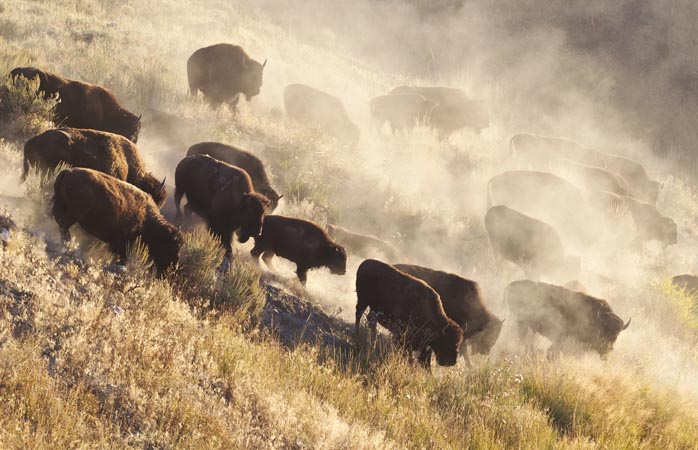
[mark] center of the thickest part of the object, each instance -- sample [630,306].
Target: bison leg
[424,358]
[464,352]
[178,199]
[120,249]
[225,238]
[372,320]
[63,218]
[302,273]
[267,257]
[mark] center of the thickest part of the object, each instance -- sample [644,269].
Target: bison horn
[280,197]
[627,324]
[139,117]
[264,63]
[162,185]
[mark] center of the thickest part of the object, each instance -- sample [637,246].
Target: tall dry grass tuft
[23,111]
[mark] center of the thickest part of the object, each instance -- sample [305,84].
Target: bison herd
[550,196]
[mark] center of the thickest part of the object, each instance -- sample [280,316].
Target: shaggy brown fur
[114,212]
[454,109]
[84,105]
[409,309]
[361,244]
[222,72]
[462,303]
[302,242]
[313,107]
[109,153]
[244,160]
[223,196]
[529,243]
[560,314]
[401,111]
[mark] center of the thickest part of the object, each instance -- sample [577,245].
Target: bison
[409,309]
[531,244]
[544,196]
[562,315]
[114,212]
[109,153]
[650,224]
[643,187]
[361,244]
[454,109]
[223,196]
[401,111]
[688,283]
[311,106]
[462,302]
[244,160]
[596,178]
[300,241]
[84,105]
[222,72]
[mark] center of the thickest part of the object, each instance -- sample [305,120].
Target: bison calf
[223,196]
[302,242]
[409,309]
[462,302]
[114,212]
[109,153]
[561,315]
[244,160]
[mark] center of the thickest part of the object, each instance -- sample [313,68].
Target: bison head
[446,344]
[164,242]
[273,197]
[254,208]
[251,79]
[337,259]
[153,187]
[483,341]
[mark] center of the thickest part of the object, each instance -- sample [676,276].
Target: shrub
[23,111]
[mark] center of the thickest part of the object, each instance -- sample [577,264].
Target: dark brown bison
[688,283]
[454,109]
[302,242]
[409,309]
[546,197]
[563,315]
[109,153]
[462,302]
[84,105]
[401,111]
[223,196]
[311,106]
[222,72]
[361,244]
[531,244]
[114,212]
[244,160]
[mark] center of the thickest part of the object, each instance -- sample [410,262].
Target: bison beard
[114,212]
[300,241]
[409,309]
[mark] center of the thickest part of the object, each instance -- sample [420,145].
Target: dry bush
[23,111]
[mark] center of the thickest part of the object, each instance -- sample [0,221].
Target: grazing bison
[361,244]
[529,243]
[84,105]
[222,72]
[544,196]
[560,314]
[688,283]
[401,111]
[409,309]
[114,212]
[311,106]
[454,109]
[223,196]
[597,179]
[302,242]
[463,304]
[244,160]
[109,153]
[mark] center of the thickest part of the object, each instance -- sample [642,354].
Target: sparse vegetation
[95,356]
[23,111]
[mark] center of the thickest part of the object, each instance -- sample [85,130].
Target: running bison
[409,309]
[454,109]
[401,111]
[562,315]
[529,243]
[311,106]
[462,302]
[222,72]
[109,153]
[302,242]
[84,105]
[362,245]
[114,212]
[223,196]
[244,160]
